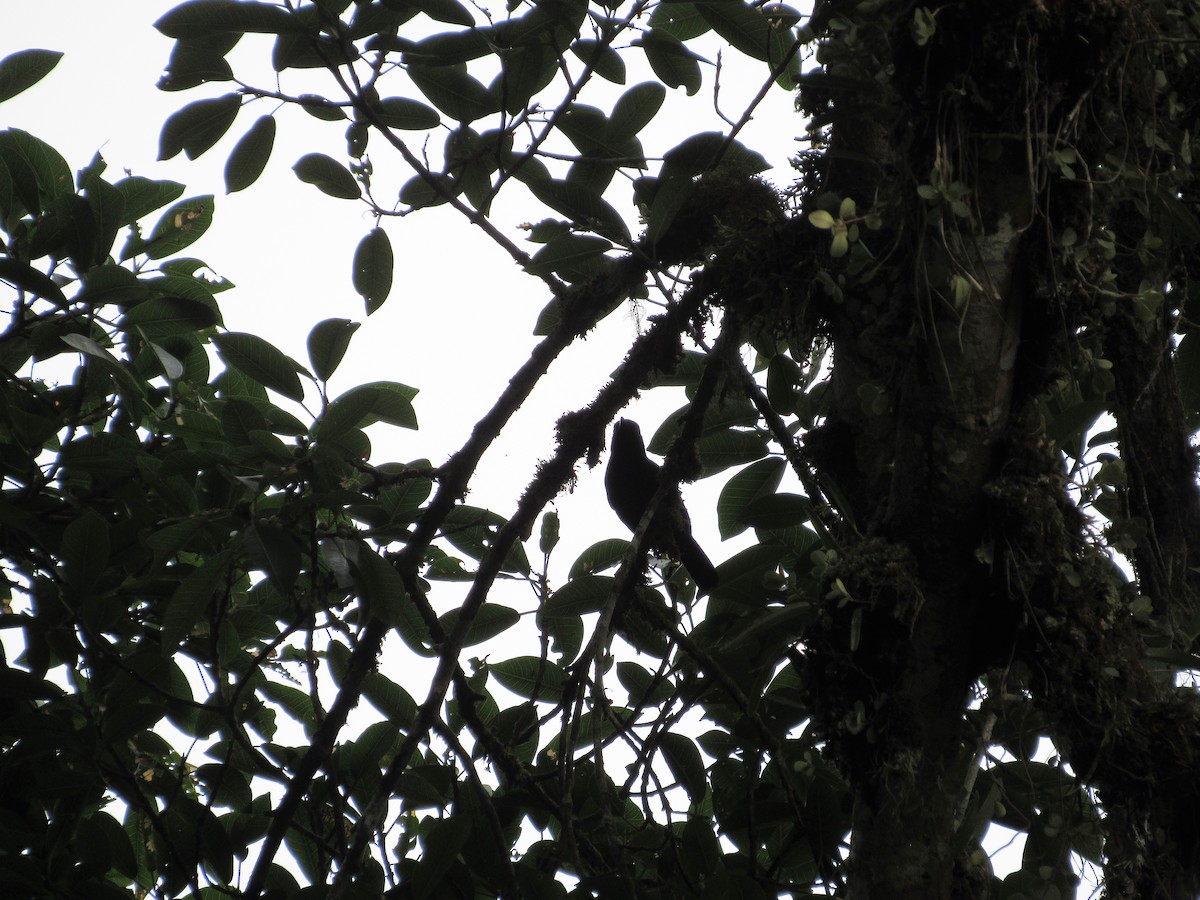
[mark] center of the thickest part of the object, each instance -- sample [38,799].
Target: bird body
[631,480]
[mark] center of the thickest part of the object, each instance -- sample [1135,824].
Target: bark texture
[954,339]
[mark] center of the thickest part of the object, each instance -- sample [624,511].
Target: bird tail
[697,563]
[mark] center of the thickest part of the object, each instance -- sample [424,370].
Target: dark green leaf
[180,226]
[417,192]
[783,382]
[333,7]
[164,317]
[260,361]
[108,212]
[240,417]
[746,575]
[133,389]
[368,753]
[516,727]
[18,184]
[307,853]
[598,557]
[577,257]
[183,285]
[449,48]
[25,68]
[327,344]
[549,533]
[730,411]
[328,175]
[585,208]
[642,686]
[673,63]
[554,22]
[473,531]
[1067,426]
[636,108]
[1178,214]
[587,128]
[778,511]
[373,268]
[606,62]
[378,18]
[599,725]
[419,791]
[566,636]
[453,91]
[108,833]
[530,677]
[298,703]
[85,549]
[491,620]
[683,759]
[669,197]
[579,596]
[449,11]
[197,61]
[447,839]
[358,133]
[406,114]
[225,785]
[703,151]
[771,628]
[46,174]
[386,599]
[730,448]
[195,128]
[390,699]
[760,479]
[172,538]
[310,50]
[274,552]
[112,284]
[249,156]
[191,601]
[744,27]
[197,18]
[144,195]
[526,70]
[320,108]
[680,20]
[1187,369]
[9,202]
[26,277]
[379,401]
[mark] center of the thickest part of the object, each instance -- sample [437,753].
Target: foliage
[203,565]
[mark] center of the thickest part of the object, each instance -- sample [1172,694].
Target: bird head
[628,436]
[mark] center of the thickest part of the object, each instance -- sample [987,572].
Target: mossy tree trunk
[1005,148]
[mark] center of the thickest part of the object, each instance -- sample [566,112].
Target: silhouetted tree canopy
[946,376]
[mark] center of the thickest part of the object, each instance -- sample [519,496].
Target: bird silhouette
[631,480]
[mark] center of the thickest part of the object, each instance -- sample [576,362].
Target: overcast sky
[460,317]
[459,320]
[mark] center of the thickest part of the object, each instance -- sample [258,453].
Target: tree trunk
[949,336]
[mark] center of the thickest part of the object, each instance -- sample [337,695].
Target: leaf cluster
[204,567]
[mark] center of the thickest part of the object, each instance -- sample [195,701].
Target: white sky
[460,317]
